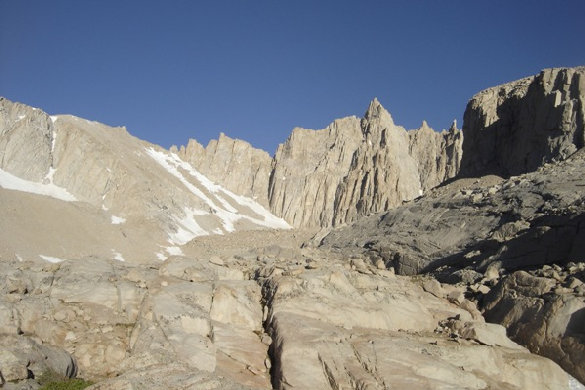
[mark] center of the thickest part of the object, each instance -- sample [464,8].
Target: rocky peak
[321,178]
[376,123]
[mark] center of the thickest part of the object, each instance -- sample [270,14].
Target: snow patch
[50,174]
[188,228]
[51,259]
[11,182]
[54,118]
[117,255]
[161,256]
[174,251]
[117,220]
[20,117]
[53,142]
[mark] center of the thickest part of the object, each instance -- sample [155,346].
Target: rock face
[393,165]
[249,309]
[308,170]
[516,127]
[322,178]
[235,164]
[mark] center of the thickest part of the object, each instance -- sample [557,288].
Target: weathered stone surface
[256,310]
[314,319]
[331,344]
[308,169]
[529,221]
[22,358]
[516,127]
[549,323]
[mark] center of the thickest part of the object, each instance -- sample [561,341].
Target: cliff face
[322,178]
[516,127]
[392,165]
[308,170]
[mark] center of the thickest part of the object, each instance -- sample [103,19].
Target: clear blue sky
[174,70]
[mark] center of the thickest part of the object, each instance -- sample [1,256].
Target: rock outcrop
[516,127]
[471,231]
[248,309]
[308,170]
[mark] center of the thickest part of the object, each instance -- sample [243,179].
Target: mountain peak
[377,112]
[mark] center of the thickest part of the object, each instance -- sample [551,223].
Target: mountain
[328,177]
[418,259]
[128,199]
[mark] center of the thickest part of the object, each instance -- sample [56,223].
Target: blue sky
[174,70]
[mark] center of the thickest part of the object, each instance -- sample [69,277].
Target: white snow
[188,228]
[174,251]
[50,174]
[117,255]
[574,384]
[54,118]
[11,182]
[161,256]
[21,117]
[117,220]
[219,205]
[51,259]
[53,142]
